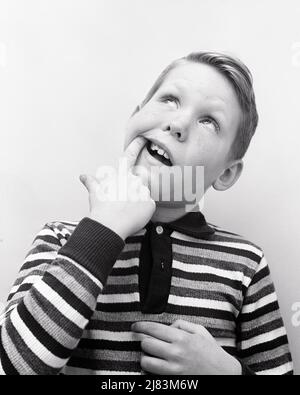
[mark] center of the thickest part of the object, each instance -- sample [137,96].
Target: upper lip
[163,146]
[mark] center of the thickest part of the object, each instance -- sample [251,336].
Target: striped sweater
[79,291]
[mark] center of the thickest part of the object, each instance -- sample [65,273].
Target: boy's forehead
[201,79]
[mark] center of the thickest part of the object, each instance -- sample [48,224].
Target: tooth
[166,155]
[161,152]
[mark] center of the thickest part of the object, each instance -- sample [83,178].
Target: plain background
[71,73]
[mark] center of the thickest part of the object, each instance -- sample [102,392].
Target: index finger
[159,331]
[131,153]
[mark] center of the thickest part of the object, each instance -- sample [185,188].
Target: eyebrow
[220,110]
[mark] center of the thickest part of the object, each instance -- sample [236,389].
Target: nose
[178,128]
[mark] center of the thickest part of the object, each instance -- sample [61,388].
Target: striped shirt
[79,290]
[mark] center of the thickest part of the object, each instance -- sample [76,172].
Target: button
[159,230]
[162,265]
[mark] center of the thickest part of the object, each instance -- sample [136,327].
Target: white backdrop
[71,73]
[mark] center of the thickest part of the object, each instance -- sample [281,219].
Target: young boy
[141,285]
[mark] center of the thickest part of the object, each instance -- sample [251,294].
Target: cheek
[209,153]
[205,149]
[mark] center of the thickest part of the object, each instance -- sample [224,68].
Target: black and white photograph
[149,190]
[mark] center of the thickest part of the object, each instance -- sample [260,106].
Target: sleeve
[263,347]
[54,297]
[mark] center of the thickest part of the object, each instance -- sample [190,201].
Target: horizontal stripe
[262,327]
[82,270]
[114,280]
[53,322]
[239,256]
[123,321]
[257,314]
[72,370]
[116,366]
[56,300]
[94,344]
[69,297]
[6,364]
[263,338]
[109,335]
[55,314]
[28,280]
[277,371]
[34,345]
[245,270]
[41,256]
[206,277]
[225,243]
[201,303]
[119,298]
[41,334]
[236,276]
[267,346]
[271,362]
[219,295]
[37,263]
[250,308]
[109,355]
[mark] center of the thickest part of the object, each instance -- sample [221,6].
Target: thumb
[133,150]
[89,182]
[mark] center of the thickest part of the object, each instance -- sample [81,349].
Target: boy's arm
[54,297]
[262,339]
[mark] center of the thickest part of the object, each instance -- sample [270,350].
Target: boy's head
[202,111]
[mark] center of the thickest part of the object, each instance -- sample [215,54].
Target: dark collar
[192,224]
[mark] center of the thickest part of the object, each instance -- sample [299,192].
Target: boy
[141,285]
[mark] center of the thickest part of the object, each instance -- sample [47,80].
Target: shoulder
[236,244]
[236,241]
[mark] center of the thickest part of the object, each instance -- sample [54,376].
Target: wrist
[109,223]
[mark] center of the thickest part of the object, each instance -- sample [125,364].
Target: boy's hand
[128,215]
[182,348]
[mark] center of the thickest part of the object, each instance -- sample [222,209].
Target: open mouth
[158,153]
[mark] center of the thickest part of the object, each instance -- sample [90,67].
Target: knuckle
[177,353]
[178,322]
[182,336]
[145,344]
[176,369]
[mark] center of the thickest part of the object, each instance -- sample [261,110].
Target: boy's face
[195,115]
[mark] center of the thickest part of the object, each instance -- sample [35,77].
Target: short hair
[240,77]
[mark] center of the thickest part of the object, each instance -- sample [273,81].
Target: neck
[170,214]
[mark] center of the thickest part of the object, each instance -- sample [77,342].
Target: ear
[229,176]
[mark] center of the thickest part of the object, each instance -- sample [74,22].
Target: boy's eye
[169,99]
[210,122]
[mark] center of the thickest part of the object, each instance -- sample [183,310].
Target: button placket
[159,281]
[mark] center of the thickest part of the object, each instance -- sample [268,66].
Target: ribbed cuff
[95,247]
